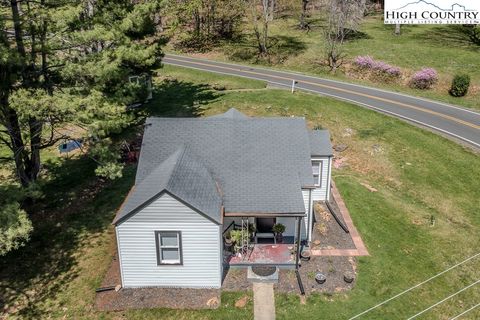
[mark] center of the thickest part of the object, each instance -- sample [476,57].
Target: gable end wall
[200,247]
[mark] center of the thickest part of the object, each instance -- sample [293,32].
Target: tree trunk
[15,6]
[197,22]
[265,37]
[303,22]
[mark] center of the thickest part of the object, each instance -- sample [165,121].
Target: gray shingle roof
[259,164]
[231,113]
[320,144]
[182,175]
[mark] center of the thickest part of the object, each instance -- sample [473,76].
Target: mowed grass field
[446,48]
[418,175]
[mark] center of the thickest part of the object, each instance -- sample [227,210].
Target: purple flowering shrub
[424,79]
[364,62]
[380,67]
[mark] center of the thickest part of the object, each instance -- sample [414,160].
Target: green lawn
[443,47]
[417,173]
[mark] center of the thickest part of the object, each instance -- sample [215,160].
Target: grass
[443,47]
[417,173]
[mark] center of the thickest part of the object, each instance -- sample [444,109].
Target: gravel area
[235,279]
[327,233]
[174,298]
[333,268]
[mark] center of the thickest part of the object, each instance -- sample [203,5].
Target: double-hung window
[317,173]
[169,247]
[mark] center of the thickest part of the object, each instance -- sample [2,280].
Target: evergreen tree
[64,73]
[65,68]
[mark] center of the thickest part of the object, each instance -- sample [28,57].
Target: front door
[265,224]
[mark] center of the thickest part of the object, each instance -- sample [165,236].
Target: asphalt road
[458,123]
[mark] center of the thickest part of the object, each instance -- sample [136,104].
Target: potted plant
[228,241]
[320,278]
[278,229]
[236,237]
[305,255]
[251,231]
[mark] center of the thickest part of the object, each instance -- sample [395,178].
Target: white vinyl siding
[321,192]
[200,247]
[306,227]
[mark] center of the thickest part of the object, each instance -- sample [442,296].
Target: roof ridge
[181,149]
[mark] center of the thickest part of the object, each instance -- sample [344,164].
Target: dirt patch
[174,298]
[327,233]
[242,302]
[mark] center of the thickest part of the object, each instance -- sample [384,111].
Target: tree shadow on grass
[85,206]
[280,48]
[449,35]
[173,98]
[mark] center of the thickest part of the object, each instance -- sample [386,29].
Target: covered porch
[256,240]
[264,254]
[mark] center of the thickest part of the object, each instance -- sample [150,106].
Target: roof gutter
[264,214]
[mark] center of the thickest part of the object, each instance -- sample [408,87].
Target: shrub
[380,67]
[387,69]
[460,85]
[278,228]
[424,79]
[364,62]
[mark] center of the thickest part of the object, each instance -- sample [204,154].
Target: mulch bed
[327,233]
[175,298]
[333,268]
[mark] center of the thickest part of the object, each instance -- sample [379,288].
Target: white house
[199,178]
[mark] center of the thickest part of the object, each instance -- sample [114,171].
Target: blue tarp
[69,146]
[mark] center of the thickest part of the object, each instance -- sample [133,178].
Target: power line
[465,312]
[414,287]
[443,300]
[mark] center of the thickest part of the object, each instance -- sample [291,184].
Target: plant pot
[320,278]
[228,245]
[279,237]
[305,255]
[348,277]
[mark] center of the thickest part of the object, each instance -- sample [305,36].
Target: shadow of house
[76,205]
[173,98]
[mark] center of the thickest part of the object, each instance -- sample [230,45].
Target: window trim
[318,182]
[159,247]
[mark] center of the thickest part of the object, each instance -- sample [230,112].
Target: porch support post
[299,228]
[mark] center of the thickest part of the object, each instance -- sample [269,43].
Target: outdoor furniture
[265,235]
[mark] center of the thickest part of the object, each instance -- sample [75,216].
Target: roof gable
[183,176]
[320,144]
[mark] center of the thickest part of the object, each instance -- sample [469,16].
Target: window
[169,247]
[317,173]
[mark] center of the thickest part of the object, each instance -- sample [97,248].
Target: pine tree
[66,64]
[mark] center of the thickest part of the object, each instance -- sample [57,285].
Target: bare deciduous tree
[303,23]
[344,17]
[261,27]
